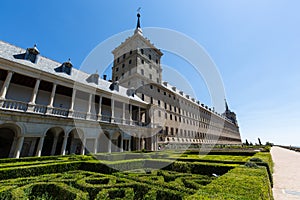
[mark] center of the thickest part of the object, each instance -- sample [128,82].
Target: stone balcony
[19,106]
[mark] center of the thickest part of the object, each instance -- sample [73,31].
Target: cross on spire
[138,24]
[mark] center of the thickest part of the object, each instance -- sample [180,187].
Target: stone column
[33,96]
[123,114]
[109,145]
[152,143]
[112,110]
[129,144]
[139,115]
[40,146]
[32,147]
[19,147]
[143,143]
[64,146]
[12,149]
[121,145]
[5,86]
[100,108]
[130,114]
[96,146]
[83,145]
[51,101]
[139,144]
[88,115]
[35,91]
[54,144]
[71,110]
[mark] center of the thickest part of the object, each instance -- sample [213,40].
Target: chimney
[104,77]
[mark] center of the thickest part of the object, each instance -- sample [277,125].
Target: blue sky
[255,45]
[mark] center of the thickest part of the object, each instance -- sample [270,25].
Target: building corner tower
[137,61]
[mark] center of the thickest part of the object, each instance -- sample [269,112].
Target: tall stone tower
[137,61]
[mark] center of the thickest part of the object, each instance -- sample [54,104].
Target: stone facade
[184,119]
[51,108]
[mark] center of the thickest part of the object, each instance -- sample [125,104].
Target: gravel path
[286,174]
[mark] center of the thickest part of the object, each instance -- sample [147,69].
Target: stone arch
[53,141]
[8,139]
[74,143]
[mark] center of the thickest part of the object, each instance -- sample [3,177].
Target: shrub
[251,164]
[16,172]
[116,193]
[254,159]
[241,183]
[59,191]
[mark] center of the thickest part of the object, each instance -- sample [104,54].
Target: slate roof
[9,52]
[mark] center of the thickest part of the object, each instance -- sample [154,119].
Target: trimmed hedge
[241,183]
[102,180]
[59,191]
[116,193]
[26,171]
[199,168]
[222,152]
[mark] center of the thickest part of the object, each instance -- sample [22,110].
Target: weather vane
[139,9]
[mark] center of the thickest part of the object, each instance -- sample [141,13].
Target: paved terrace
[286,174]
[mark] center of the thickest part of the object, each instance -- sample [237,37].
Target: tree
[259,141]
[247,143]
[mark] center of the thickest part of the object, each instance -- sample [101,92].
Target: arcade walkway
[286,174]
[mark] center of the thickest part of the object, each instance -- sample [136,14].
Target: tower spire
[138,24]
[226,105]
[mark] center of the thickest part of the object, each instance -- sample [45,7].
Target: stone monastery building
[51,108]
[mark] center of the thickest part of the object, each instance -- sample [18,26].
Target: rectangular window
[159,113]
[158,103]
[150,76]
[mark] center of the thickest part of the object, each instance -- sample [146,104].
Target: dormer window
[66,67]
[32,54]
[114,86]
[93,78]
